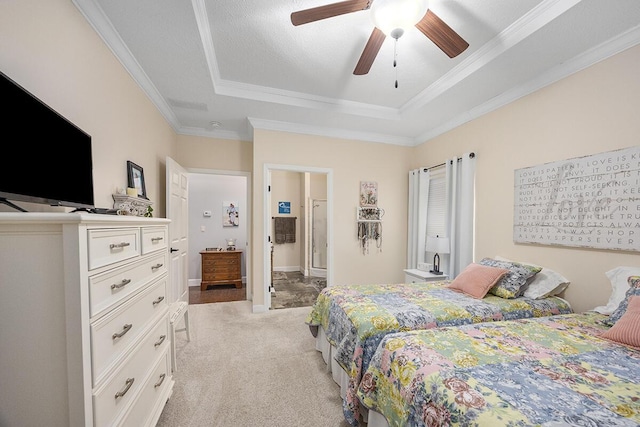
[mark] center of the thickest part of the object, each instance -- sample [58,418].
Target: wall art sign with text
[591,201]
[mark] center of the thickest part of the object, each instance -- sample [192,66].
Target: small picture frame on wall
[135,179]
[230,214]
[368,194]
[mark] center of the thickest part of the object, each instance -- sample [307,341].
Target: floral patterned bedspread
[548,372]
[355,318]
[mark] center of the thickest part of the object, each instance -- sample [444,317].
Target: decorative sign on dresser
[85,308]
[221,268]
[129,205]
[591,201]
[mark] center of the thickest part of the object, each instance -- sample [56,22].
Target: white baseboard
[287,269]
[260,309]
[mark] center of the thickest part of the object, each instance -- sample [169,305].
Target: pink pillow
[477,279]
[627,329]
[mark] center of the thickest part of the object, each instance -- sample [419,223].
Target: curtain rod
[471,156]
[274,217]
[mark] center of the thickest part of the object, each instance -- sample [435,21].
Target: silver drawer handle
[127,386]
[160,341]
[157,239]
[159,383]
[158,301]
[157,266]
[125,329]
[119,245]
[122,284]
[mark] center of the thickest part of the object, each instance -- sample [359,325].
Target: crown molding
[580,62]
[257,123]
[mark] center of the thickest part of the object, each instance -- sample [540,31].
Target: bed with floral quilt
[554,371]
[353,319]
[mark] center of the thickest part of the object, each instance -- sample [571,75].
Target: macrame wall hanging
[369,217]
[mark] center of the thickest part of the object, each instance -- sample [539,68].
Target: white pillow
[545,284]
[619,287]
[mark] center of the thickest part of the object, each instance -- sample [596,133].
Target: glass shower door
[319,234]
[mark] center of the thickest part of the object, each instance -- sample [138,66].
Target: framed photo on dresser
[135,179]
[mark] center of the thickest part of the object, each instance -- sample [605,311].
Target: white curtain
[460,182]
[417,227]
[459,214]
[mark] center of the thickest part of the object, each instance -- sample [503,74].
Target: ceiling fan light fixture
[393,15]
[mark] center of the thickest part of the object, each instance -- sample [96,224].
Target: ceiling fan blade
[442,35]
[370,52]
[322,12]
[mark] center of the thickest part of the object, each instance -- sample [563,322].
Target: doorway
[210,194]
[270,200]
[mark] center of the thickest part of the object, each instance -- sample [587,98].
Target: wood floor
[292,290]
[218,293]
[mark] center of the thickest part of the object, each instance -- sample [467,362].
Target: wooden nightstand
[221,268]
[416,276]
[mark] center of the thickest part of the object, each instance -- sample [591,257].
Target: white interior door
[177,211]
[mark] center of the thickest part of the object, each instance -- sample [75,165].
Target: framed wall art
[368,194]
[135,178]
[590,202]
[230,215]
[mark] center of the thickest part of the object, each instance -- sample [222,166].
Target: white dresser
[84,309]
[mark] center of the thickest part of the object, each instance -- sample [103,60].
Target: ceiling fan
[390,17]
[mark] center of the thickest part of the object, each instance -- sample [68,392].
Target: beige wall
[213,153]
[593,111]
[384,163]
[49,48]
[286,186]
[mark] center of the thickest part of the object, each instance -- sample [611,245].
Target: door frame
[268,167]
[247,216]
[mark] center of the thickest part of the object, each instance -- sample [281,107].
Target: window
[437,205]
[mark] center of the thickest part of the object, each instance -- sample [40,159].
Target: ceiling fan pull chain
[395,60]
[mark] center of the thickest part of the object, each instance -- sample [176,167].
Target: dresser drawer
[127,382]
[107,289]
[221,269]
[118,331]
[223,261]
[112,245]
[149,404]
[153,239]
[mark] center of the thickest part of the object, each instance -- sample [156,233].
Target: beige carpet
[246,369]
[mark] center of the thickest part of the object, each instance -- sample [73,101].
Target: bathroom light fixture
[438,245]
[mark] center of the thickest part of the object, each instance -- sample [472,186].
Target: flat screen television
[47,159]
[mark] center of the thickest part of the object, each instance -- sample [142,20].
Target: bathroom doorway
[299,189]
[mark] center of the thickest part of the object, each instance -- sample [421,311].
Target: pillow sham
[515,282]
[634,289]
[545,284]
[476,280]
[618,277]
[627,329]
